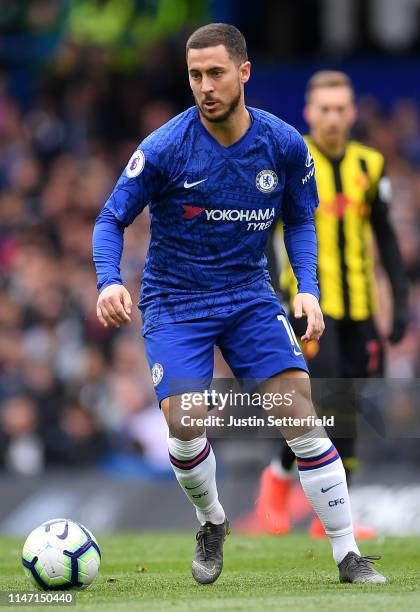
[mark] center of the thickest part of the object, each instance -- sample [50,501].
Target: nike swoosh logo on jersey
[331,487]
[196,487]
[187,185]
[210,572]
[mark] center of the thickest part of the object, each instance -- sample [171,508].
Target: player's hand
[114,306]
[306,304]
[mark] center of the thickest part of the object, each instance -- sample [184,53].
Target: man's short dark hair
[215,34]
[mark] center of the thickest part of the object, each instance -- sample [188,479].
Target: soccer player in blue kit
[215,178]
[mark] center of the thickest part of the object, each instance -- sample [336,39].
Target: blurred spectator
[21,448]
[75,441]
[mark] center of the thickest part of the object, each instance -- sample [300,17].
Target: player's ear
[245,72]
[353,113]
[307,113]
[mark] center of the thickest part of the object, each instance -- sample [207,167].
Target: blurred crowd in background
[73,393]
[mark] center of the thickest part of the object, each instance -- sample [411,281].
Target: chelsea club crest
[157,373]
[266,181]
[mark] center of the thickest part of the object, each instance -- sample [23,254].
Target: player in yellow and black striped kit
[354,194]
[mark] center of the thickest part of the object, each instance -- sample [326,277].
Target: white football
[61,554]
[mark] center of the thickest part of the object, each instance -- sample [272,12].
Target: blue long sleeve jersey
[211,209]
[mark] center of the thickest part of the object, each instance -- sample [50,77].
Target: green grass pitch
[151,571]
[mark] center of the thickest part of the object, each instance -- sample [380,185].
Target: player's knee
[183,424]
[296,387]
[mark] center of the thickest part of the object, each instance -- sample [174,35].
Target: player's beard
[233,105]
